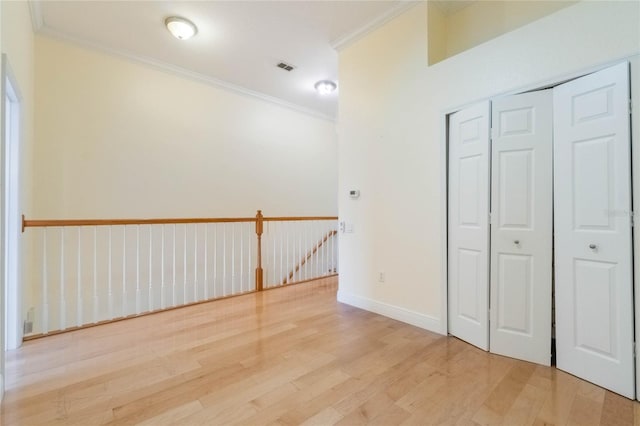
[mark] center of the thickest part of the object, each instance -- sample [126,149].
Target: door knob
[593,246]
[516,242]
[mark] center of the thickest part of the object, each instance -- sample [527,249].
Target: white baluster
[184,266]
[195,262]
[241,259]
[224,260]
[163,303]
[63,303]
[272,229]
[95,274]
[321,260]
[300,249]
[288,225]
[206,261]
[124,271]
[110,283]
[137,269]
[79,283]
[315,242]
[45,284]
[319,253]
[233,258]
[173,285]
[215,260]
[150,285]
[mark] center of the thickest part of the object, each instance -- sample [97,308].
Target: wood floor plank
[616,410]
[287,357]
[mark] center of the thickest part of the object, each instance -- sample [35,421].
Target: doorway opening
[565,217]
[10,215]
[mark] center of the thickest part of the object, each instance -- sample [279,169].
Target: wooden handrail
[41,223]
[308,256]
[105,222]
[298,218]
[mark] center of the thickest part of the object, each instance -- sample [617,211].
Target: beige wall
[452,33]
[119,139]
[437,33]
[17,44]
[391,135]
[484,20]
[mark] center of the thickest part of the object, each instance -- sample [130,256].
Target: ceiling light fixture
[181,28]
[325,87]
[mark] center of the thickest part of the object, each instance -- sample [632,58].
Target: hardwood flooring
[287,356]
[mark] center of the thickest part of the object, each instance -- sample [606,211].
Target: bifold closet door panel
[522,226]
[468,244]
[593,251]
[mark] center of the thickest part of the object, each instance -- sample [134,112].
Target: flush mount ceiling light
[325,87]
[181,28]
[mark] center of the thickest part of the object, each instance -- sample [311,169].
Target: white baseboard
[401,314]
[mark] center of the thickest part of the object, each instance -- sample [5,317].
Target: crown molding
[353,36]
[182,72]
[37,21]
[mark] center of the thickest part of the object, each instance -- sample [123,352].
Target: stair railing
[81,273]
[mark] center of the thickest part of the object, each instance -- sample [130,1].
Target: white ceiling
[238,43]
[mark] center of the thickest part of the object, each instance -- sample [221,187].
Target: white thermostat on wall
[354,193]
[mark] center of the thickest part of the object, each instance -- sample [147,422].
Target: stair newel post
[259,228]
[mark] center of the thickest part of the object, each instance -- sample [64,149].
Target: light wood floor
[287,356]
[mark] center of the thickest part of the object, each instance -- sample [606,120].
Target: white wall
[391,134]
[119,139]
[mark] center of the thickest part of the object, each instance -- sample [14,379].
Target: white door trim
[635,166]
[11,228]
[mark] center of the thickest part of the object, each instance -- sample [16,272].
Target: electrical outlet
[381,277]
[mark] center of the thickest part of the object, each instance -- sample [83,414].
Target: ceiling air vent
[285,66]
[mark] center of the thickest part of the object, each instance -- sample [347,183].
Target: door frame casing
[11,305]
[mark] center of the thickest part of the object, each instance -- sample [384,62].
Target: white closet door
[469,225]
[594,303]
[522,226]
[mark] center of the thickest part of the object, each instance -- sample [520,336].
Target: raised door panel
[593,183]
[596,325]
[470,294]
[515,301]
[516,189]
[469,193]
